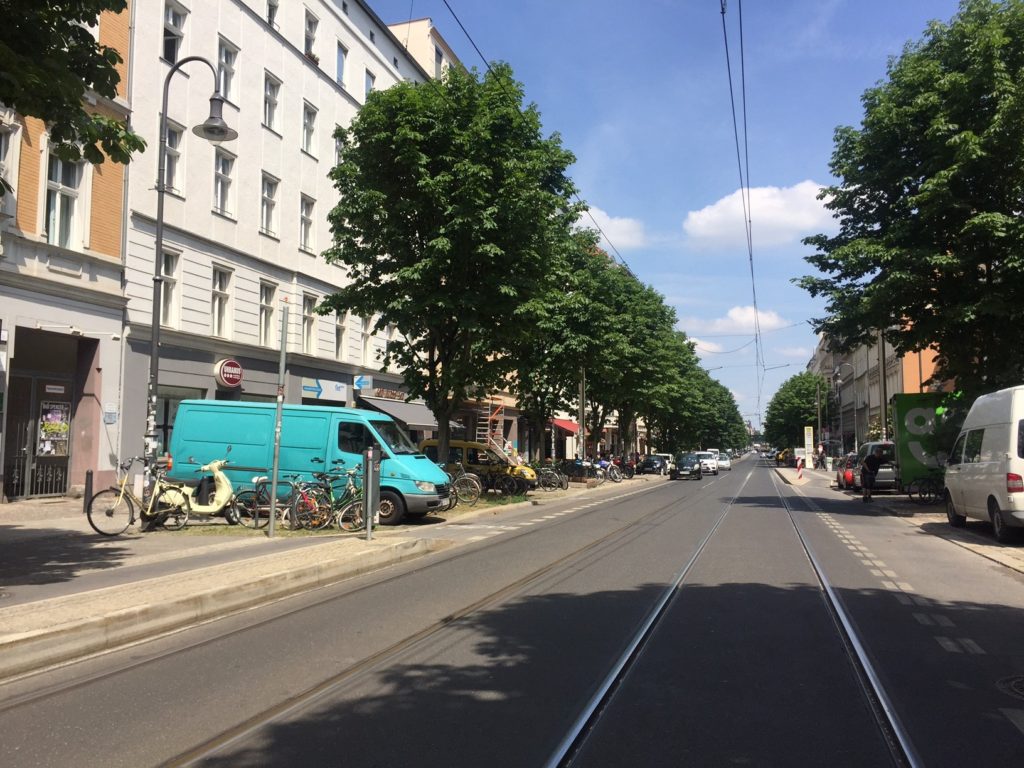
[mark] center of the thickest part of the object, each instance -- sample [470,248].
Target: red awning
[568,426]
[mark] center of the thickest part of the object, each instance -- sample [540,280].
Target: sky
[639,92]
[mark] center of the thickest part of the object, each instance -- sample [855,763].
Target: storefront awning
[568,426]
[413,415]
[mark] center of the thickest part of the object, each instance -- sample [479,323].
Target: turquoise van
[314,438]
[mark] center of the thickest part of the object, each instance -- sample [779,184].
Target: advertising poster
[54,428]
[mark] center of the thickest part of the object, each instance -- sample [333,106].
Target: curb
[33,648]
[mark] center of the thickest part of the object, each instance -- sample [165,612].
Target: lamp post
[214,130]
[839,381]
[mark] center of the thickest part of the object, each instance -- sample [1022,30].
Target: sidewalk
[928,518]
[66,592]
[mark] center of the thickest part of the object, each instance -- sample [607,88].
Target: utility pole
[883,393]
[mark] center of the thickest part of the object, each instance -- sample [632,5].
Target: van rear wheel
[1003,532]
[391,509]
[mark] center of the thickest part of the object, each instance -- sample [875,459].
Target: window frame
[309,116]
[273,6]
[169,314]
[171,30]
[271,101]
[173,169]
[310,28]
[307,241]
[61,192]
[226,70]
[309,302]
[369,82]
[220,302]
[223,183]
[266,318]
[340,62]
[268,204]
[340,335]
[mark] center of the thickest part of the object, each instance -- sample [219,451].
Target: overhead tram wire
[590,215]
[744,181]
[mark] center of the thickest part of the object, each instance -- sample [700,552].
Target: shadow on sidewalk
[26,557]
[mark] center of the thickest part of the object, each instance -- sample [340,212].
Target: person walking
[869,469]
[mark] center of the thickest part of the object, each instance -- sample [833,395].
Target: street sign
[325,389]
[808,441]
[362,383]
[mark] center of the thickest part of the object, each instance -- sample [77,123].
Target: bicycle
[466,487]
[253,506]
[112,510]
[927,490]
[315,505]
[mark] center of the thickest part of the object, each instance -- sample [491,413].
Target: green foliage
[453,209]
[931,238]
[793,407]
[48,62]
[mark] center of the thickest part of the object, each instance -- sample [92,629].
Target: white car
[708,462]
[724,462]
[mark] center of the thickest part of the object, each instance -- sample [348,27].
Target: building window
[309,324]
[370,80]
[311,24]
[62,183]
[367,341]
[308,128]
[340,335]
[224,164]
[338,145]
[271,90]
[220,301]
[174,31]
[438,62]
[169,290]
[373,36]
[306,224]
[226,57]
[172,160]
[272,13]
[344,7]
[268,206]
[5,147]
[267,293]
[342,53]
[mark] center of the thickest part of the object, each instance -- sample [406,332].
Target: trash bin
[828,463]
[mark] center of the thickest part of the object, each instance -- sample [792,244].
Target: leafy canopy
[930,245]
[793,407]
[49,59]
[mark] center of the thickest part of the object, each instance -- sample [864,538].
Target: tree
[930,239]
[451,204]
[49,59]
[793,407]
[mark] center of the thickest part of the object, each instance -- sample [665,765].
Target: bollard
[87,493]
[371,487]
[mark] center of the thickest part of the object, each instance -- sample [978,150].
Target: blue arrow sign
[362,382]
[314,387]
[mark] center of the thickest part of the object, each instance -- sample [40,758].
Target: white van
[985,469]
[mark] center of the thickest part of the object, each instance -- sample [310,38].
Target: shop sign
[389,394]
[325,389]
[228,373]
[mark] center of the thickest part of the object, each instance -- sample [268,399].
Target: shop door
[38,450]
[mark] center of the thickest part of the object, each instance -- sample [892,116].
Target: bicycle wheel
[928,490]
[251,512]
[311,510]
[600,475]
[563,479]
[467,490]
[171,509]
[110,513]
[614,474]
[351,516]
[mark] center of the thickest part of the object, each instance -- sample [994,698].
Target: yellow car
[481,459]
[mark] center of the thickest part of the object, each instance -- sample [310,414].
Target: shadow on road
[28,556]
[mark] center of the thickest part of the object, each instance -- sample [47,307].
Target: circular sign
[228,373]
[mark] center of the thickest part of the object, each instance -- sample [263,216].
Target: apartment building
[245,222]
[61,303]
[426,45]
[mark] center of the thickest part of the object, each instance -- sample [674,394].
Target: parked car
[886,477]
[687,465]
[985,469]
[653,465]
[481,460]
[708,462]
[846,471]
[724,461]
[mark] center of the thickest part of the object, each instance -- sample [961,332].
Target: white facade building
[245,222]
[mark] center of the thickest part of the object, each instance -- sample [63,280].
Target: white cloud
[705,347]
[780,216]
[738,320]
[623,233]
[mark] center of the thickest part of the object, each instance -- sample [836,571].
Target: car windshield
[394,438]
[687,458]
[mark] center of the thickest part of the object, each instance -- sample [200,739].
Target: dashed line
[904,586]
[943,621]
[923,601]
[924,619]
[890,574]
[889,585]
[948,645]
[904,599]
[971,646]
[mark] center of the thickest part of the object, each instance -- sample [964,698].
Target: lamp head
[215,130]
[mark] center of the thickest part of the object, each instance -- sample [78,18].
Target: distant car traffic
[687,465]
[653,465]
[724,461]
[708,462]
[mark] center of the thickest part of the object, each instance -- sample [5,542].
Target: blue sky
[639,92]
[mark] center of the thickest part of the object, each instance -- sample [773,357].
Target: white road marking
[943,621]
[923,601]
[904,599]
[904,586]
[924,619]
[1015,716]
[890,574]
[948,645]
[889,585]
[971,646]
[876,572]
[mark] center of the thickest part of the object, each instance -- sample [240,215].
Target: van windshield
[395,438]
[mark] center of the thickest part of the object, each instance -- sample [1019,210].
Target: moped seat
[260,479]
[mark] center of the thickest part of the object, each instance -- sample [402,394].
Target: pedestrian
[869,469]
[821,456]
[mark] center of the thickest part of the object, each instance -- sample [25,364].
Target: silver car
[708,462]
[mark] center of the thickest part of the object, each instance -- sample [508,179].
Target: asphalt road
[491,652]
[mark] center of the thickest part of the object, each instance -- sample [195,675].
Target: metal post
[87,493]
[371,487]
[582,445]
[882,387]
[277,419]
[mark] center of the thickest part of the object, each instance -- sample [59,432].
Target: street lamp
[214,130]
[839,383]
